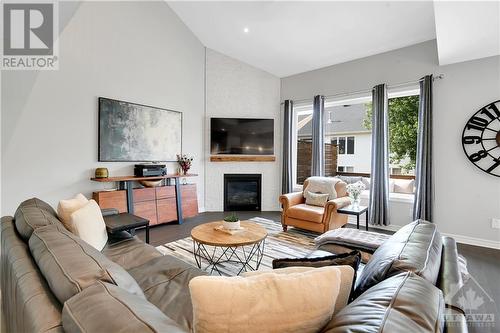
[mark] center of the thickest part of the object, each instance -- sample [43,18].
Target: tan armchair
[320,219]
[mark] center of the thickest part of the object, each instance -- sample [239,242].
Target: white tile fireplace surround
[214,195]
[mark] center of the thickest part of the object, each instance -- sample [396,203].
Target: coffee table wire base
[229,254]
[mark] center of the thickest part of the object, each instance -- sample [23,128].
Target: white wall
[133,51]
[466,198]
[235,89]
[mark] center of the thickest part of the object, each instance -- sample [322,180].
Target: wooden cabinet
[111,199]
[157,204]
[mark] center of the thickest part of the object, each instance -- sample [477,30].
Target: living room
[316,86]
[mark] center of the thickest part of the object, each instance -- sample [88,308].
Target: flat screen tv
[130,132]
[245,136]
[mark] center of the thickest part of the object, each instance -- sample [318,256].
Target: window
[350,145]
[346,129]
[345,169]
[345,145]
[403,124]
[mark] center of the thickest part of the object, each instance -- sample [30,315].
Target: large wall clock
[481,139]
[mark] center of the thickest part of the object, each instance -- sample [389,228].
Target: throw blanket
[352,238]
[322,185]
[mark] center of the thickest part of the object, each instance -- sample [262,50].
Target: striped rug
[295,243]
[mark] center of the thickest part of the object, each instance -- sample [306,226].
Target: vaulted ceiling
[286,38]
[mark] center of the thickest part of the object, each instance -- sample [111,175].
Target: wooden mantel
[242,158]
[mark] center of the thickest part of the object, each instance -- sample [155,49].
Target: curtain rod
[434,78]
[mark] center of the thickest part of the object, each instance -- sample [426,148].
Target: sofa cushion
[130,252]
[306,212]
[165,282]
[415,247]
[104,307]
[402,303]
[35,202]
[70,265]
[31,215]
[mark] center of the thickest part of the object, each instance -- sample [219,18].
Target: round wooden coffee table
[246,247]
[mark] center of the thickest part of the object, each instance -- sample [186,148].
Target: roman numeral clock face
[481,139]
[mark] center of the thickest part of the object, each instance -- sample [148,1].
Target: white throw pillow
[316,199]
[67,207]
[268,302]
[404,186]
[88,224]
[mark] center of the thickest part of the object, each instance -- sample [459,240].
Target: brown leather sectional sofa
[54,282]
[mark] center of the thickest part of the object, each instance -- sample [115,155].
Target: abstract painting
[135,132]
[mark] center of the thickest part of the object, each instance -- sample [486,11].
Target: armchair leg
[285,227]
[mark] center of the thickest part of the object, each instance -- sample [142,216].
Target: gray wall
[235,89]
[134,51]
[466,198]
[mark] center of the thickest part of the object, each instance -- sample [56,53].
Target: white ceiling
[286,38]
[467,30]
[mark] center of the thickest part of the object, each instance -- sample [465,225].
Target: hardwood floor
[483,263]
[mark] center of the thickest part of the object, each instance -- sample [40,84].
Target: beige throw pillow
[269,302]
[404,186]
[68,207]
[316,199]
[88,224]
[346,281]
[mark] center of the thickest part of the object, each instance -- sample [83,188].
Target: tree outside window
[403,125]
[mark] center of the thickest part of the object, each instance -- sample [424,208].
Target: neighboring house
[343,126]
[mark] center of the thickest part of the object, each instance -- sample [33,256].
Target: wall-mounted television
[130,132]
[241,136]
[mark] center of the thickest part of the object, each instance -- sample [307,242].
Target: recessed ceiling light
[246,30]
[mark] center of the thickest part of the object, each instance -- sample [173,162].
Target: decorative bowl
[231,225]
[150,183]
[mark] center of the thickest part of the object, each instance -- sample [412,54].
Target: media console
[161,204]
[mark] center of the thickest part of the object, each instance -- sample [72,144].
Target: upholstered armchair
[295,212]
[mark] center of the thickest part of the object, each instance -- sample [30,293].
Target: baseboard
[458,238]
[201,210]
[474,241]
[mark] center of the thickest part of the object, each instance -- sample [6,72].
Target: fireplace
[242,192]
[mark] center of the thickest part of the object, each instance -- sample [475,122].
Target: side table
[356,211]
[126,222]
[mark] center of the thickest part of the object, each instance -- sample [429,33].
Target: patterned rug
[295,243]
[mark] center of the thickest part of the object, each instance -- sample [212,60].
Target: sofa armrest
[109,211]
[291,199]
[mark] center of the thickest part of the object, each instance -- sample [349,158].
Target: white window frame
[306,108]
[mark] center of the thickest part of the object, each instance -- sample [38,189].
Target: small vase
[231,225]
[355,201]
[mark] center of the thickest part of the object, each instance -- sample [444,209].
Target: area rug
[295,243]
